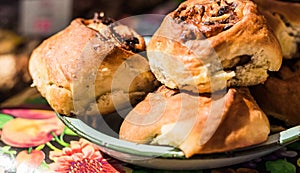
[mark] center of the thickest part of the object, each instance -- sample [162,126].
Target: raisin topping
[125,37]
[130,43]
[223,10]
[211,19]
[227,27]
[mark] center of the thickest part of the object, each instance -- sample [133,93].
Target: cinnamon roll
[208,45]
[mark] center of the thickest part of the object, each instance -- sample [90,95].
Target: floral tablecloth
[33,139]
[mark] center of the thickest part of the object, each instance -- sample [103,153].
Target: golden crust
[181,57]
[284,19]
[279,95]
[197,124]
[80,69]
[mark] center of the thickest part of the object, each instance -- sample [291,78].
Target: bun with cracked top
[92,66]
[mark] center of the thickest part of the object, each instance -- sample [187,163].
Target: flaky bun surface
[197,124]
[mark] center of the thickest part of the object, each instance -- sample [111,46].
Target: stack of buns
[206,53]
[279,95]
[193,93]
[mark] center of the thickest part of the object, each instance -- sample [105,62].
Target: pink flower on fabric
[81,157]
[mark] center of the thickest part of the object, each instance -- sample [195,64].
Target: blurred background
[43,17]
[25,23]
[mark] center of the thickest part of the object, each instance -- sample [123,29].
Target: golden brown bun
[197,124]
[284,18]
[89,66]
[279,96]
[239,48]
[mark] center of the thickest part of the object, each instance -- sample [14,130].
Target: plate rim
[166,157]
[122,145]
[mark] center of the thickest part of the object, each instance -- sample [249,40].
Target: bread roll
[92,67]
[197,124]
[284,19]
[279,95]
[204,46]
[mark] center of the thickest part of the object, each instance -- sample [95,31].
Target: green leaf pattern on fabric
[4,118]
[68,131]
[280,166]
